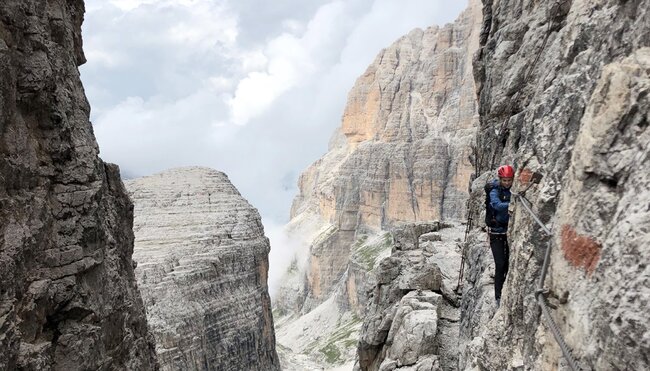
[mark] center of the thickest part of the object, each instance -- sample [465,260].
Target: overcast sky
[252,88]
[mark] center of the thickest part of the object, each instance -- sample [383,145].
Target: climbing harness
[540,290]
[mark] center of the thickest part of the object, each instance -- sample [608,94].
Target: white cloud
[172,33]
[105,58]
[220,84]
[128,5]
[293,26]
[208,23]
[291,60]
[284,250]
[254,60]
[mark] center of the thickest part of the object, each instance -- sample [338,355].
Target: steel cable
[539,292]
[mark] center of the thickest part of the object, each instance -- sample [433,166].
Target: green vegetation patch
[360,242]
[325,235]
[282,348]
[344,331]
[331,352]
[343,337]
[277,313]
[366,254]
[293,267]
[337,343]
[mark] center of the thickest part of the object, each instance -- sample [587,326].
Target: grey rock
[478,303]
[68,295]
[202,269]
[411,320]
[429,237]
[408,236]
[414,328]
[563,91]
[389,270]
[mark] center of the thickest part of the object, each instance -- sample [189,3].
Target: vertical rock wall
[68,295]
[202,268]
[563,90]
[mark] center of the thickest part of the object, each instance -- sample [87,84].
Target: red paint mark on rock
[525,176]
[580,251]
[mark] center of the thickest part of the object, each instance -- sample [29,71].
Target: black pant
[501,253]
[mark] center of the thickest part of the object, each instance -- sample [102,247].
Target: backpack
[490,214]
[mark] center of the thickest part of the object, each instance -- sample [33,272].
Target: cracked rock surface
[412,315]
[68,295]
[563,90]
[202,268]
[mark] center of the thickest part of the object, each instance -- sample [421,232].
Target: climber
[497,200]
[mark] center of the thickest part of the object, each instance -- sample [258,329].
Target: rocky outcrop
[202,268]
[563,89]
[403,153]
[68,295]
[412,316]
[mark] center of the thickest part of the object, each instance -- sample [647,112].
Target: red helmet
[506,171]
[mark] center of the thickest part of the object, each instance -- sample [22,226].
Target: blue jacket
[500,205]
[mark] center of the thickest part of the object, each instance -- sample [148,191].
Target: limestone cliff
[68,295]
[563,90]
[403,153]
[202,268]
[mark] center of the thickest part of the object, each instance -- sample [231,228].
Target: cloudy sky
[250,87]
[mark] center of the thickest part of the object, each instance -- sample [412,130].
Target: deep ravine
[561,88]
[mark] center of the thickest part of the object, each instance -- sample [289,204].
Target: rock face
[202,268]
[563,90]
[68,295]
[402,153]
[412,317]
